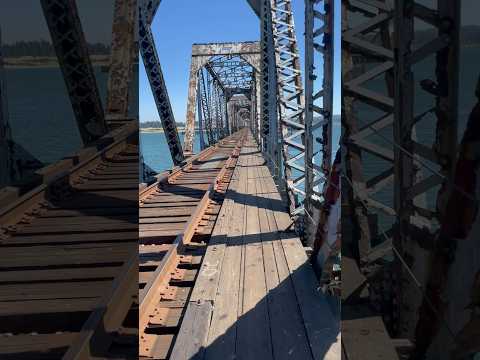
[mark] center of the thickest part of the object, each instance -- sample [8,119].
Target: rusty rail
[175,256]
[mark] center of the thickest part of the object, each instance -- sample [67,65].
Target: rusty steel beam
[71,48]
[122,59]
[157,83]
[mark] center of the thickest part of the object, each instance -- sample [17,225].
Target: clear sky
[180,23]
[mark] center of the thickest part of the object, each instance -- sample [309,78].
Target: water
[40,113]
[157,155]
[155,150]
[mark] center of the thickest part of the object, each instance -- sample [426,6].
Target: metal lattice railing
[291,103]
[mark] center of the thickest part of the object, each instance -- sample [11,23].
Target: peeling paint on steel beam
[211,49]
[122,58]
[71,48]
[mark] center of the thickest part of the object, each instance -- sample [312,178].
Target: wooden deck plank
[286,324]
[253,334]
[321,326]
[222,332]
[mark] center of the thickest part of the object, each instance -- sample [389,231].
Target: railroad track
[177,216]
[69,257]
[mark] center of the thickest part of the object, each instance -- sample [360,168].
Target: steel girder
[318,96]
[214,56]
[122,59]
[386,132]
[157,82]
[71,49]
[269,107]
[200,104]
[291,103]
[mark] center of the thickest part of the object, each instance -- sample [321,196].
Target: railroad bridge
[215,243]
[213,258]
[224,271]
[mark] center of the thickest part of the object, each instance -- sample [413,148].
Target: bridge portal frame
[201,55]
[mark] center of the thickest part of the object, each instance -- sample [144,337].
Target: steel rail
[158,283]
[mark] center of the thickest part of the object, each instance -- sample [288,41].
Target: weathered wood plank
[289,339]
[253,336]
[193,332]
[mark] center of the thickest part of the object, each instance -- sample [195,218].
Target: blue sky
[180,23]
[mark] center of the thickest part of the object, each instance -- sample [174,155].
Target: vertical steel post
[291,103]
[122,58]
[318,96]
[268,97]
[192,93]
[200,118]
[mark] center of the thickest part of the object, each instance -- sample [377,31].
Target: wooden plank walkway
[255,296]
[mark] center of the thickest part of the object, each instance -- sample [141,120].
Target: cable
[412,156]
[404,263]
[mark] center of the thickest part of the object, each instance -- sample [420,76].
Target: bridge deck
[255,295]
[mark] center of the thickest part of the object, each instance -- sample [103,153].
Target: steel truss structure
[146,11]
[290,103]
[69,42]
[319,25]
[274,88]
[218,72]
[390,202]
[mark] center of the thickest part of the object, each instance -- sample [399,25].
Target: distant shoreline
[160,130]
[43,62]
